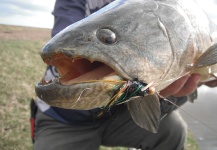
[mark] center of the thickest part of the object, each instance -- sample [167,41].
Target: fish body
[154,41]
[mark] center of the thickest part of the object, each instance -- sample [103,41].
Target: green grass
[21,68]
[191,143]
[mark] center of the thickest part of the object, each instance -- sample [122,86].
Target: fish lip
[58,95]
[47,58]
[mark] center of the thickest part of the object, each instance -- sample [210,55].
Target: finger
[211,83]
[174,87]
[189,86]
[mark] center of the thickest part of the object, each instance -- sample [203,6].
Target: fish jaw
[81,96]
[81,81]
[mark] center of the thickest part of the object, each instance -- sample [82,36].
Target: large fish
[120,53]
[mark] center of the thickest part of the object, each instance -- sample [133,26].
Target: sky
[33,13]
[38,13]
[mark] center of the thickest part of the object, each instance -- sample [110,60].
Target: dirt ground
[19,32]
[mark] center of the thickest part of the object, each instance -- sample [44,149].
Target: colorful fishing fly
[126,91]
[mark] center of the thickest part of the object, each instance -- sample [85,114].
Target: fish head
[114,38]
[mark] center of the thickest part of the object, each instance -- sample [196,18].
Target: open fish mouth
[82,84]
[75,70]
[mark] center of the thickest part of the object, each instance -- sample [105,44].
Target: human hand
[182,87]
[212,83]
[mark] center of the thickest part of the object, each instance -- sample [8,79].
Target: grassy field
[22,67]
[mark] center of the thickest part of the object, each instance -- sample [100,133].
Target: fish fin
[208,58]
[145,111]
[214,75]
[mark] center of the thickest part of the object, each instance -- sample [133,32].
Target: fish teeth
[44,82]
[113,77]
[57,80]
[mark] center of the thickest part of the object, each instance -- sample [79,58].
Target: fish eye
[106,36]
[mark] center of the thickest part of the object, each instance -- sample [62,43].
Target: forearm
[67,12]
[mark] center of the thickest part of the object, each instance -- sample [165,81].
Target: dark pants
[122,131]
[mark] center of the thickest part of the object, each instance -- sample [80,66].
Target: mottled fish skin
[86,95]
[155,41]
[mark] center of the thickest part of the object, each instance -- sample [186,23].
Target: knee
[171,134]
[174,126]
